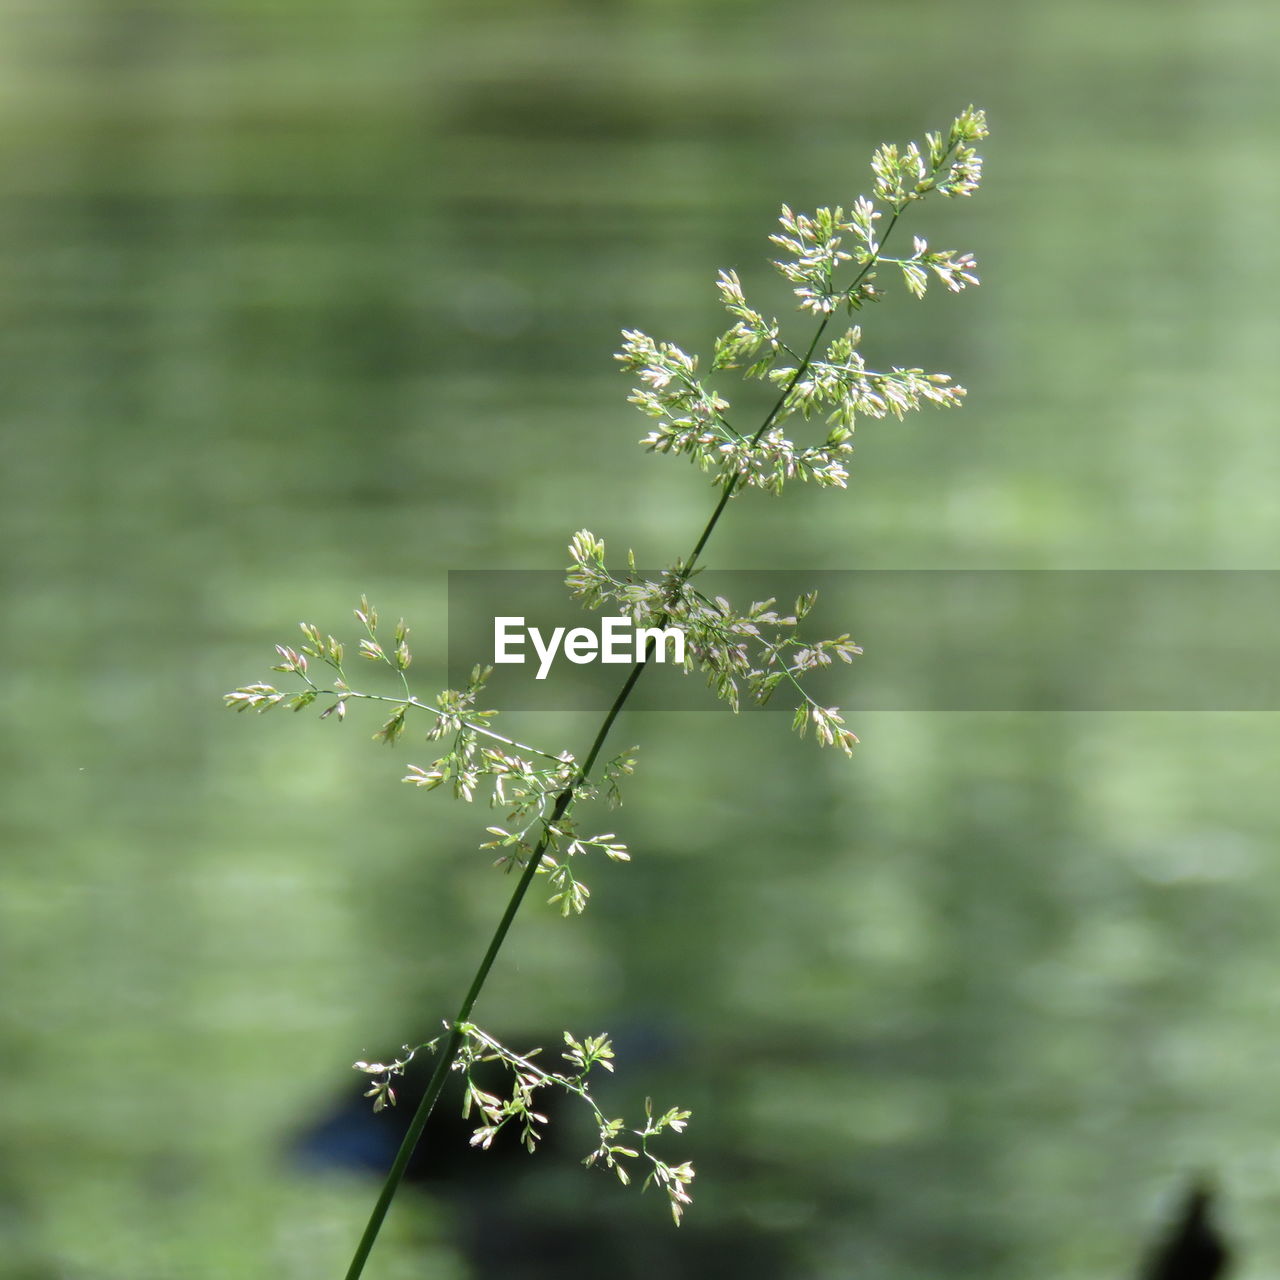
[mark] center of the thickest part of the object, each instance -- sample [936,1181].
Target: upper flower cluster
[691,417]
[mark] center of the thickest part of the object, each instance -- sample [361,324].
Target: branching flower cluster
[750,652]
[523,780]
[619,1146]
[691,415]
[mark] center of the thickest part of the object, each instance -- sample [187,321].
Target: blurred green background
[305,300]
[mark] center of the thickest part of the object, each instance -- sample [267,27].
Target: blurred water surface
[302,301]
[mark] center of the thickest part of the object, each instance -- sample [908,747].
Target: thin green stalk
[449,1050]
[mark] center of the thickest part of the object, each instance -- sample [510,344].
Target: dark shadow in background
[503,1222]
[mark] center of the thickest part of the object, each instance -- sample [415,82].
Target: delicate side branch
[518,1107]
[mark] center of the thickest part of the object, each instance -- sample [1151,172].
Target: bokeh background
[305,300]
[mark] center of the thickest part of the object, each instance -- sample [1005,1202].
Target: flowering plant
[749,651]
